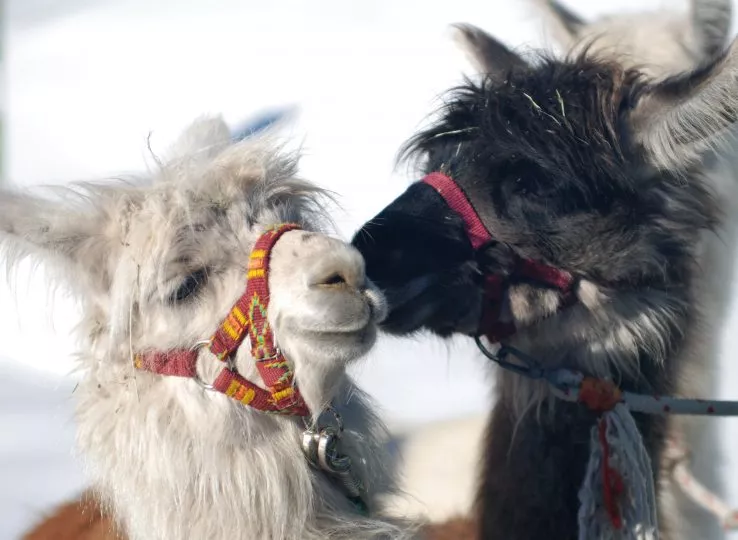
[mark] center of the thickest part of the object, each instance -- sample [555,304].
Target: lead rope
[617,497]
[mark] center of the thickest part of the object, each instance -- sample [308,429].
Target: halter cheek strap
[247,317]
[494,284]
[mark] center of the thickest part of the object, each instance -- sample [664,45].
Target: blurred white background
[87,81]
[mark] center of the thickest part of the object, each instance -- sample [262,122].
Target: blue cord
[259,123]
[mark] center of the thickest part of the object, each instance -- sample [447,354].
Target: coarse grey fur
[169,459]
[664,43]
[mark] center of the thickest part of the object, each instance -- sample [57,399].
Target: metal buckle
[321,448]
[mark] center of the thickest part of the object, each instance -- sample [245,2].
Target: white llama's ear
[204,139]
[63,232]
[676,120]
[487,54]
[711,25]
[564,24]
[209,159]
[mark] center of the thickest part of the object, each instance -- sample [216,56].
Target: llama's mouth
[431,303]
[347,344]
[397,297]
[347,320]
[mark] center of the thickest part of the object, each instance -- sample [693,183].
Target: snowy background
[86,82]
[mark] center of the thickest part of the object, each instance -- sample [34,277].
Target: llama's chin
[321,359]
[338,345]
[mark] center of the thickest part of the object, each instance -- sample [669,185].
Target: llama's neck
[534,468]
[173,461]
[536,455]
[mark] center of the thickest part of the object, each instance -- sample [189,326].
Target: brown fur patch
[82,519]
[457,528]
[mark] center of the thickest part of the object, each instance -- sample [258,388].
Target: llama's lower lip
[363,322]
[406,319]
[363,337]
[348,331]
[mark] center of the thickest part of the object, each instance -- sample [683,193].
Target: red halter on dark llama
[491,326]
[248,316]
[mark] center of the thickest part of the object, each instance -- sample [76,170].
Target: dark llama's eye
[520,187]
[189,287]
[520,178]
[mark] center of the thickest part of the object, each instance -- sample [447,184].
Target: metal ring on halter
[198,380]
[530,369]
[277,354]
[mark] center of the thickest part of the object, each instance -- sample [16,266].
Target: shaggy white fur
[168,458]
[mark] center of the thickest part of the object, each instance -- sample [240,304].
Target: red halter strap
[248,316]
[491,325]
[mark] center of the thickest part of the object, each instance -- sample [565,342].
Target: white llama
[157,265]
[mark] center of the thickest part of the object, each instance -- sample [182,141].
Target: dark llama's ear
[487,54]
[677,120]
[566,24]
[711,25]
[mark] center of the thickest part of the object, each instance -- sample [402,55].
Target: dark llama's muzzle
[491,325]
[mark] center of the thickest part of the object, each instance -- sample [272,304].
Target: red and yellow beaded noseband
[248,316]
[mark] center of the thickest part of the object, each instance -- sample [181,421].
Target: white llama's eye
[189,287]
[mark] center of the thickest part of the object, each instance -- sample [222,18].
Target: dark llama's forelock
[549,159]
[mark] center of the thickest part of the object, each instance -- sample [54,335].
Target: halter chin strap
[248,316]
[491,325]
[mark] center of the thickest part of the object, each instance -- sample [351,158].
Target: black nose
[416,234]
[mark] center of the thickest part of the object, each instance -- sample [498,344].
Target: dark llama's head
[580,164]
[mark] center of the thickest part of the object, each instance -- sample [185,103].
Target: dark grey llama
[590,167]
[661,43]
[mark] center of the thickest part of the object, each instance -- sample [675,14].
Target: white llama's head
[157,265]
